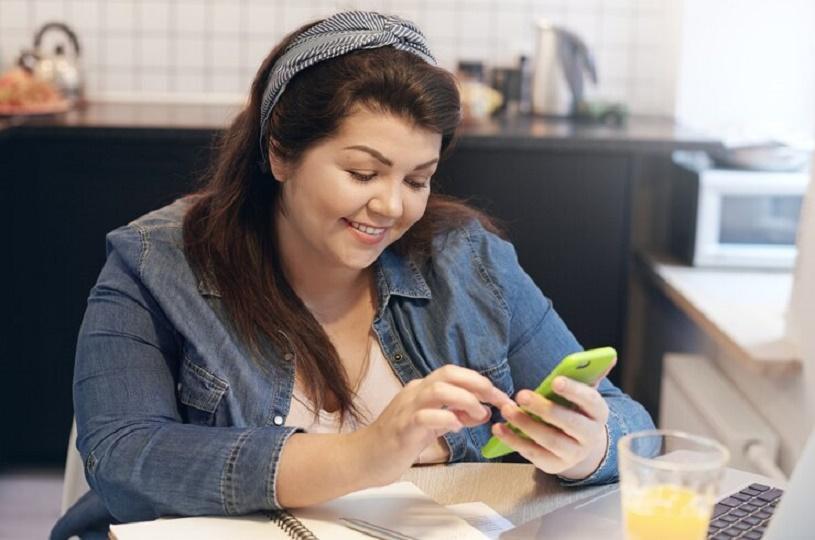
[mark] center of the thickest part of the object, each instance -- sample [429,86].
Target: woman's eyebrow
[378,155]
[425,165]
[369,150]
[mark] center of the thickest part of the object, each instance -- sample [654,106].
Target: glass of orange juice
[669,481]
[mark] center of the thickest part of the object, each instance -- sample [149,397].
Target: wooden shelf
[742,310]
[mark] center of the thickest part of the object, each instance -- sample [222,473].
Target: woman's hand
[571,443]
[448,399]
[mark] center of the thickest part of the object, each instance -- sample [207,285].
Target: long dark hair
[229,232]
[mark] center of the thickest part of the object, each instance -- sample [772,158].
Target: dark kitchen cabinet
[66,191]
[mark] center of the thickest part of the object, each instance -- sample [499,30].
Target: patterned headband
[332,37]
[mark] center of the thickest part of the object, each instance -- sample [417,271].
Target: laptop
[751,507]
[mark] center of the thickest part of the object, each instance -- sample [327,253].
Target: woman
[316,320]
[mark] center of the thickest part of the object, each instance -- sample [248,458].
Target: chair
[74,483]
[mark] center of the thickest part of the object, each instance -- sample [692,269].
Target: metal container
[57,67]
[561,61]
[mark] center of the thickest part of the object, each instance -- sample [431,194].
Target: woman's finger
[440,394]
[437,420]
[571,422]
[587,398]
[534,453]
[472,381]
[551,438]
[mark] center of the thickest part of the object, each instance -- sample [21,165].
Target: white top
[377,388]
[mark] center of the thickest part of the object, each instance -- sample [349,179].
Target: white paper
[401,507]
[489,522]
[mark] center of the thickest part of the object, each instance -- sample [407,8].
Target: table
[520,492]
[517,491]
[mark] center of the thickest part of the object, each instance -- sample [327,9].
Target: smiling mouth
[372,231]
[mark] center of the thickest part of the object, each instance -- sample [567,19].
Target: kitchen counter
[136,119]
[639,134]
[750,326]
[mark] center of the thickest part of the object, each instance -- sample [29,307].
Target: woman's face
[351,196]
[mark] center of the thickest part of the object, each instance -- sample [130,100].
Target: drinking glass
[669,481]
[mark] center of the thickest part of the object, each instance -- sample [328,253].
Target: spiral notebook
[401,507]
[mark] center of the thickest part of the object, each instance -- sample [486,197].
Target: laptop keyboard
[744,514]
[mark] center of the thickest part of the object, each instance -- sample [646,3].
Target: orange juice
[665,512]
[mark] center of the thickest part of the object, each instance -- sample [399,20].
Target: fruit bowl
[22,94]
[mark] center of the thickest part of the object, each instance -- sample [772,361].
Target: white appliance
[732,217]
[562,61]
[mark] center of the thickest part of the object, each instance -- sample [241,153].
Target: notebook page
[482,517]
[255,527]
[401,507]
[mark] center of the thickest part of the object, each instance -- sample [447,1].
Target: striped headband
[332,37]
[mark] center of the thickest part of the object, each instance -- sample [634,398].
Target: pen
[374,531]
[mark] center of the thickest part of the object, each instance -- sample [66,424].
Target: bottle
[525,85]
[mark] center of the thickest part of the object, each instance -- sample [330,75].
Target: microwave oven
[734,218]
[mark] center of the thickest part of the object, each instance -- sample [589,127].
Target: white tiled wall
[210,49]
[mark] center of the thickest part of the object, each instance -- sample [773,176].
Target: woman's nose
[388,200]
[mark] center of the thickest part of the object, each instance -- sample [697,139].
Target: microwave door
[748,220]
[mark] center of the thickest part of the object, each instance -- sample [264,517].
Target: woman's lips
[365,233]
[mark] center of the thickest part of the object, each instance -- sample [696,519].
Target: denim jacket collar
[398,275]
[208,289]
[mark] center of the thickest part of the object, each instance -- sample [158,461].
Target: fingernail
[560,383]
[523,398]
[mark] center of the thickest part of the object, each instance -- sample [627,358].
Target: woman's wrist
[375,462]
[590,464]
[316,467]
[363,463]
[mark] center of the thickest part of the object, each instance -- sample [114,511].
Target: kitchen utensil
[56,67]
[768,156]
[562,60]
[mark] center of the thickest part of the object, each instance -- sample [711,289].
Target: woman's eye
[361,177]
[417,184]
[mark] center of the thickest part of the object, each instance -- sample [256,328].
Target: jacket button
[397,356]
[278,420]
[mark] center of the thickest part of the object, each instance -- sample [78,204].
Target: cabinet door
[8,172]
[567,215]
[74,189]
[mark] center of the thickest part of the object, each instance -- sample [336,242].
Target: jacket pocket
[501,378]
[500,375]
[201,392]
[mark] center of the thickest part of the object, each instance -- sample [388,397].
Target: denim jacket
[175,416]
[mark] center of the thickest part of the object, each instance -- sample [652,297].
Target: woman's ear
[278,166]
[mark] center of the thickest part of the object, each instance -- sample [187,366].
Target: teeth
[366,229]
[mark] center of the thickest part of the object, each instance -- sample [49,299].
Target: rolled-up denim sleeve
[539,339]
[139,457]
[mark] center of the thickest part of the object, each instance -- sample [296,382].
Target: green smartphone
[586,366]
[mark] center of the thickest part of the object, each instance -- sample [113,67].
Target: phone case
[585,366]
